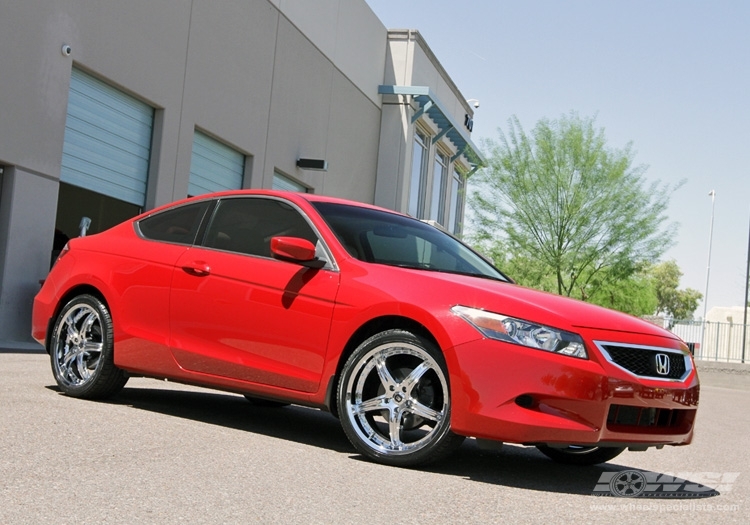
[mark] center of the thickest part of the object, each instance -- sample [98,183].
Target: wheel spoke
[92,347]
[376,403]
[414,376]
[385,375]
[81,366]
[394,428]
[70,328]
[69,357]
[72,364]
[87,324]
[77,317]
[424,411]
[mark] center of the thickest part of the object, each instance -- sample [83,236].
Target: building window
[456,209]
[417,184]
[437,204]
[282,182]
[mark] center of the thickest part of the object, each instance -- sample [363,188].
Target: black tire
[81,349]
[260,402]
[580,455]
[394,400]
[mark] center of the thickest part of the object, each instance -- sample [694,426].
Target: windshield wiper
[427,267]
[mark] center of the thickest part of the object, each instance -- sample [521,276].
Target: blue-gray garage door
[107,140]
[214,166]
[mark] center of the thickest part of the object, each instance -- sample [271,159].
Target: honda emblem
[662,364]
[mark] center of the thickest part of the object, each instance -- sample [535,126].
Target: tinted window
[178,225]
[388,238]
[246,225]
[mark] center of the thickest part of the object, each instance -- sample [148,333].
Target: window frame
[438,193]
[196,234]
[457,206]
[418,179]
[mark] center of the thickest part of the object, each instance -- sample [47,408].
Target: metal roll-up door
[107,140]
[282,182]
[214,166]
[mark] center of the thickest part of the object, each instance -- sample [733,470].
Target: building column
[28,206]
[394,157]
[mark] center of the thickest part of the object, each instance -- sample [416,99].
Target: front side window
[178,225]
[381,237]
[418,174]
[246,225]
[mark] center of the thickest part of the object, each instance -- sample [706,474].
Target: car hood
[542,307]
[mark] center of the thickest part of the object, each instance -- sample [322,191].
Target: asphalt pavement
[160,452]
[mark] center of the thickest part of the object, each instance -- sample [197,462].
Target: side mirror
[295,249]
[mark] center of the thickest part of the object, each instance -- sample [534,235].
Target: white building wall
[274,79]
[410,62]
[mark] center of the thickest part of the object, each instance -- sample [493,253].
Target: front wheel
[82,350]
[576,455]
[394,400]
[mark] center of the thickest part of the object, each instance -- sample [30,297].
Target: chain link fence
[713,341]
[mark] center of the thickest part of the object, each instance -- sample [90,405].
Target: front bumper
[515,394]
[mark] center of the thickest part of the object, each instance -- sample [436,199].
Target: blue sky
[670,76]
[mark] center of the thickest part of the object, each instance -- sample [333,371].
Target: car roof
[292,196]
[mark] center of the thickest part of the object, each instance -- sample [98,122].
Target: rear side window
[177,225]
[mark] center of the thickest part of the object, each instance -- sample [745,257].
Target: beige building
[111,108]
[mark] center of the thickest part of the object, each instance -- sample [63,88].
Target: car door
[140,268]
[236,312]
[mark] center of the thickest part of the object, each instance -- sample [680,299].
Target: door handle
[197,268]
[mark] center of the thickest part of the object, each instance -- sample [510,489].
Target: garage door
[107,140]
[282,182]
[214,166]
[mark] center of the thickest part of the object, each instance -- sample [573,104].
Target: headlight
[520,332]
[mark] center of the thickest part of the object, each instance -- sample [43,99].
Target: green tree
[574,215]
[679,304]
[634,295]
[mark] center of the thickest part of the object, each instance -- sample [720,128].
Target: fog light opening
[525,401]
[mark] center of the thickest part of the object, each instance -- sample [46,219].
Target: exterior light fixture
[312,164]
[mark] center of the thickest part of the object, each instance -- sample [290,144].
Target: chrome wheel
[580,455]
[78,347]
[81,350]
[394,400]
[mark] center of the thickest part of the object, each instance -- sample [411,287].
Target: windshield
[387,238]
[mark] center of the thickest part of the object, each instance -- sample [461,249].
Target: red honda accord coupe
[409,337]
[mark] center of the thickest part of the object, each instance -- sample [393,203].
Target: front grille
[657,363]
[637,419]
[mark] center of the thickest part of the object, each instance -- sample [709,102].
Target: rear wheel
[394,400]
[575,455]
[82,350]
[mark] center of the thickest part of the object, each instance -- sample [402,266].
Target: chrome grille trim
[604,345]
